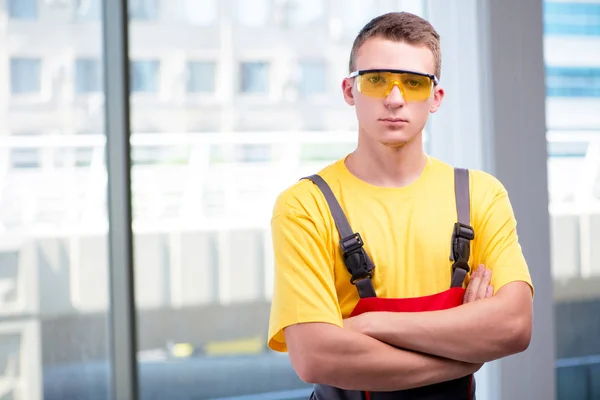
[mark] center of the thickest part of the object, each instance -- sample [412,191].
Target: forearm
[353,361]
[477,332]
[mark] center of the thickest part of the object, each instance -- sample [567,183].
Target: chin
[397,138]
[394,145]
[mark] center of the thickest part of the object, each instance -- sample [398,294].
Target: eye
[413,83]
[374,79]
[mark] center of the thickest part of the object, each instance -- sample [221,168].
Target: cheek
[420,111]
[367,109]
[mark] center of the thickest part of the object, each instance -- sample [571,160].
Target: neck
[385,165]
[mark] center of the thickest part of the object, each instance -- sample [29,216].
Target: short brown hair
[400,27]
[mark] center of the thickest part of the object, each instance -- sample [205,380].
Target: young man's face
[399,116]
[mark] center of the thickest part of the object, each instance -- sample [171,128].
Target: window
[573,81]
[88,75]
[25,75]
[88,9]
[201,77]
[573,91]
[202,240]
[571,18]
[22,9]
[313,77]
[254,77]
[25,158]
[253,12]
[145,76]
[143,9]
[54,291]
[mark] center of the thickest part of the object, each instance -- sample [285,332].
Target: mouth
[393,121]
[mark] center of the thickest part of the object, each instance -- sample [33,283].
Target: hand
[479,285]
[357,323]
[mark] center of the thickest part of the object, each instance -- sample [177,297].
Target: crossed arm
[327,354]
[477,332]
[382,351]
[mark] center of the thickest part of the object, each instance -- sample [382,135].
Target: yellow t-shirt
[406,231]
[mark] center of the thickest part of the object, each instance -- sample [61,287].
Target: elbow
[307,372]
[514,339]
[520,335]
[310,369]
[523,339]
[309,351]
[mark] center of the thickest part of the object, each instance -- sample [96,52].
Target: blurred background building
[231,102]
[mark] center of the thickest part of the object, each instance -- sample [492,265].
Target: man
[350,280]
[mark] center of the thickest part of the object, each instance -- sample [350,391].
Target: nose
[394,97]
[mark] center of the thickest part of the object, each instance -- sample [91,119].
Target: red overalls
[360,267]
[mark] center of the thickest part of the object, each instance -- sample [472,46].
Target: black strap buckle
[461,246]
[355,258]
[352,243]
[463,231]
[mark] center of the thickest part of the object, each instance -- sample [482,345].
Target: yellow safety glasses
[414,86]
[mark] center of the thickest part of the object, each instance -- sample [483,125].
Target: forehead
[378,53]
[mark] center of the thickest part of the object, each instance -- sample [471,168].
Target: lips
[393,120]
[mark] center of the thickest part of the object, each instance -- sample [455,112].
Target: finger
[486,282]
[486,276]
[490,291]
[473,286]
[473,283]
[469,288]
[483,284]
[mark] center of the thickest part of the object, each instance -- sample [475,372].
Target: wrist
[378,325]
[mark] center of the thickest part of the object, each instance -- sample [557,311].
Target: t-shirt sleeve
[304,285]
[496,243]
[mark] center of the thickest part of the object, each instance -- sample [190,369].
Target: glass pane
[573,81]
[25,75]
[88,75]
[254,77]
[22,9]
[201,77]
[313,77]
[145,76]
[571,18]
[204,184]
[54,299]
[573,96]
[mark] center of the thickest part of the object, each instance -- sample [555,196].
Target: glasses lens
[374,84]
[415,87]
[379,84]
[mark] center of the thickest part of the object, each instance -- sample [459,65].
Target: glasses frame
[433,78]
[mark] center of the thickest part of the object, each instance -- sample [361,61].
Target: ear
[438,96]
[347,90]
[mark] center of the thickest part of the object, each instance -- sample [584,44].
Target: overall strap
[356,258]
[463,232]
